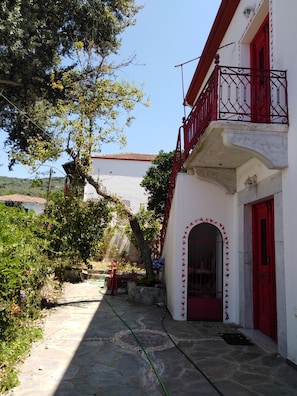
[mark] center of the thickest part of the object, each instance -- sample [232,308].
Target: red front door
[260,64]
[264,269]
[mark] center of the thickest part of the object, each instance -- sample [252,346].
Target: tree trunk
[143,247]
[101,190]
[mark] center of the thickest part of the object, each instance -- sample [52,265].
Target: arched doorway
[205,273]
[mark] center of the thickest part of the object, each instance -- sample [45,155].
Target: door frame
[266,188]
[264,269]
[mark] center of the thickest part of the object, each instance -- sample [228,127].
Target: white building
[121,174]
[229,236]
[29,203]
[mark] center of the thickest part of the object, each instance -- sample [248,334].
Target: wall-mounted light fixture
[250,182]
[248,11]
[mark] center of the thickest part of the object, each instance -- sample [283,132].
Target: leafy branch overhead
[69,97]
[53,56]
[95,109]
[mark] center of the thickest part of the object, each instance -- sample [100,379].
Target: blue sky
[167,33]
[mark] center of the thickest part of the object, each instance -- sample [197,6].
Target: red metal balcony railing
[231,94]
[237,94]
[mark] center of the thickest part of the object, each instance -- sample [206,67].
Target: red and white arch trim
[226,263]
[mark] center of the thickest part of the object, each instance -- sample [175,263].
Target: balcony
[241,113]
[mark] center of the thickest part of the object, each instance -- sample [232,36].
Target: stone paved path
[88,350]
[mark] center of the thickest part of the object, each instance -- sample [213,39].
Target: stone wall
[146,295]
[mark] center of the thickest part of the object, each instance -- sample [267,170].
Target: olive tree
[73,101]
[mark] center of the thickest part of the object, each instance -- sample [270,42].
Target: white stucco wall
[38,208]
[121,177]
[194,201]
[283,56]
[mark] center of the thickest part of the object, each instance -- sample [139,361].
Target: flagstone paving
[97,344]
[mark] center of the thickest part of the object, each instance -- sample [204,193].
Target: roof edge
[221,23]
[127,157]
[22,198]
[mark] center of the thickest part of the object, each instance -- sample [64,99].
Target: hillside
[34,188]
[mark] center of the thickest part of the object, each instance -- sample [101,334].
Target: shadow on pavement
[101,345]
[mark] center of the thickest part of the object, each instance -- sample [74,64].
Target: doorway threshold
[261,340]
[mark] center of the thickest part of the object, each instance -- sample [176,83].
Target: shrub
[23,271]
[75,228]
[23,265]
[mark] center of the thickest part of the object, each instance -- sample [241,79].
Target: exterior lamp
[248,10]
[250,182]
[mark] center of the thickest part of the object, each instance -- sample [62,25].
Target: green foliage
[150,227]
[96,108]
[156,182]
[66,96]
[23,264]
[104,245]
[75,228]
[145,280]
[35,188]
[125,266]
[23,270]
[14,345]
[29,252]
[40,44]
